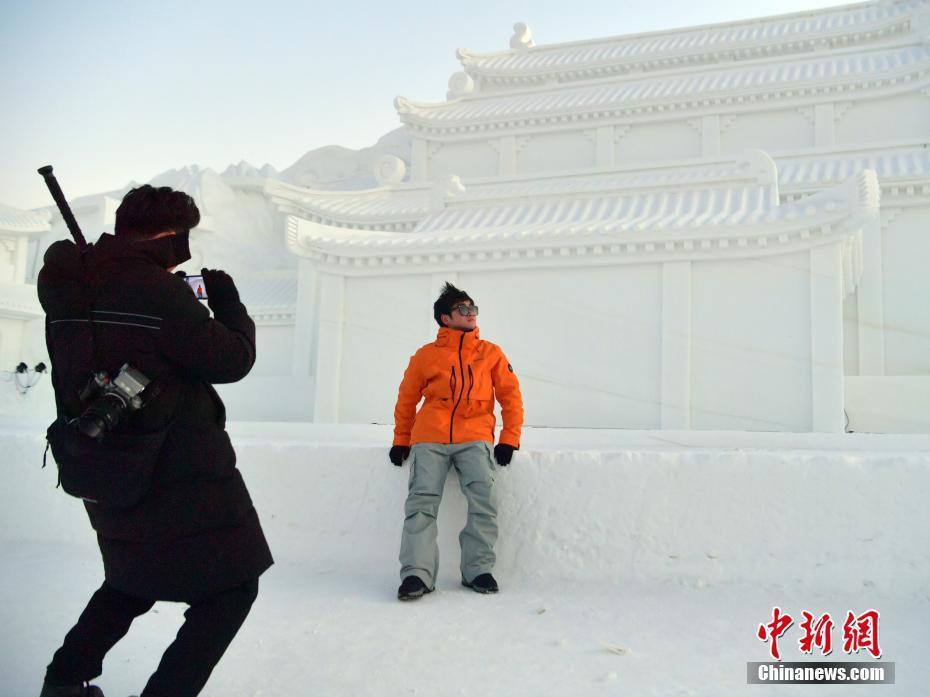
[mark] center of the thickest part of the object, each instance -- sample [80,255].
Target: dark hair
[448,298]
[147,210]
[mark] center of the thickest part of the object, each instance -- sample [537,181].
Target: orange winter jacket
[459,375]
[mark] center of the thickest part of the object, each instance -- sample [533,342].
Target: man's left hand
[221,290]
[503,453]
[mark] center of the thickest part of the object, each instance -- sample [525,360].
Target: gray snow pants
[429,465]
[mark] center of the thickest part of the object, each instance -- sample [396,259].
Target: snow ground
[639,566]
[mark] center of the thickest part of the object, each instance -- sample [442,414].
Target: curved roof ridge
[882,9]
[819,71]
[696,223]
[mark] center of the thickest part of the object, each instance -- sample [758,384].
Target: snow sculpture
[687,221]
[446,189]
[522,37]
[460,84]
[390,170]
[21,316]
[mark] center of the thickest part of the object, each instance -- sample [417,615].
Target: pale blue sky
[109,91]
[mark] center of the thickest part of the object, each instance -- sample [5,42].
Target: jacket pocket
[480,393]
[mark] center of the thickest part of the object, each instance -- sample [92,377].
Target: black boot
[81,690]
[412,588]
[482,583]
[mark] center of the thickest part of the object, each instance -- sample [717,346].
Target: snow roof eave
[835,215]
[18,222]
[399,208]
[803,171]
[395,206]
[761,37]
[900,70]
[896,164]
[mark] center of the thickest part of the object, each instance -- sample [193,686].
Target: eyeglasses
[466,310]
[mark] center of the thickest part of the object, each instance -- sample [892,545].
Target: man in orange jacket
[458,375]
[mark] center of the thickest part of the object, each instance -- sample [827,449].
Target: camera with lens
[111,400]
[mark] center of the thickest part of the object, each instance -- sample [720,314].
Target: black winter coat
[196,531]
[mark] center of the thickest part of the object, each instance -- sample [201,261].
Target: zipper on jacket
[462,371]
[471,383]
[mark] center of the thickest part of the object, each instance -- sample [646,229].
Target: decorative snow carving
[402,105]
[522,37]
[390,169]
[447,188]
[460,84]
[760,165]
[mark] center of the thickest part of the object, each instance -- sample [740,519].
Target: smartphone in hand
[197,286]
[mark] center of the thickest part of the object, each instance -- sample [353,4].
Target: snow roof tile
[19,221]
[560,100]
[852,24]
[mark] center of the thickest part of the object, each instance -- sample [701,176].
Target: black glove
[221,291]
[398,454]
[503,453]
[180,274]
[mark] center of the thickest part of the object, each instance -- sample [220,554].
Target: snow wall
[832,512]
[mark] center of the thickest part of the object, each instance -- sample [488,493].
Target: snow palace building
[721,227]
[21,317]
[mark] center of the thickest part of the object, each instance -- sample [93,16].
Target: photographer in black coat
[194,537]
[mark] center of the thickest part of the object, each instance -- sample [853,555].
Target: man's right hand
[398,454]
[221,291]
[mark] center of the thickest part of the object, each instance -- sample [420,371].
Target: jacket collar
[452,337]
[160,251]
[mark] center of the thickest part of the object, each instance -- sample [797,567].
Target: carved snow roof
[634,212]
[901,164]
[397,208]
[687,224]
[805,80]
[17,221]
[758,38]
[754,168]
[401,209]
